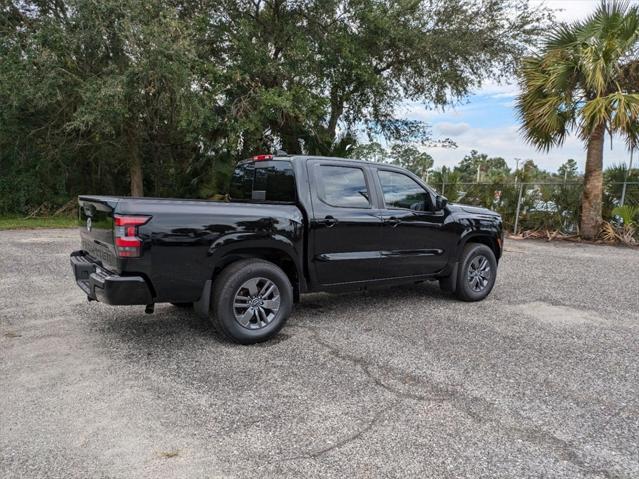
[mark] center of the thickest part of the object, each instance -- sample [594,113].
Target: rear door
[345,224]
[96,229]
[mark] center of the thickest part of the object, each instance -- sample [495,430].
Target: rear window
[343,187]
[263,181]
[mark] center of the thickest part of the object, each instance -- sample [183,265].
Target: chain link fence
[537,205]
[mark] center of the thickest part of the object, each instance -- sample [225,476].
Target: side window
[343,186]
[401,191]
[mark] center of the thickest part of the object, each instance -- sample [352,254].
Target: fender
[491,236]
[246,243]
[246,247]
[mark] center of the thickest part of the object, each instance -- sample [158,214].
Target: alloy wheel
[256,303]
[478,273]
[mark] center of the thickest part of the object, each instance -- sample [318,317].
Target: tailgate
[96,228]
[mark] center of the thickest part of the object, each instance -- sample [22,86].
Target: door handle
[392,222]
[329,221]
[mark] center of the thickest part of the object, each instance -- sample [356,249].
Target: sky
[488,121]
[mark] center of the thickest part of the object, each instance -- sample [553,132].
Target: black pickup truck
[294,224]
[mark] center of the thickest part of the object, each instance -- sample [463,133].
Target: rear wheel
[251,301]
[477,272]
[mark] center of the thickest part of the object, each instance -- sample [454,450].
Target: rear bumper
[102,285]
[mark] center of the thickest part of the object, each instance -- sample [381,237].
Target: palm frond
[627,213]
[583,76]
[625,108]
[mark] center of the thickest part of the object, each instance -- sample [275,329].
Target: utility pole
[625,180]
[443,179]
[521,190]
[517,160]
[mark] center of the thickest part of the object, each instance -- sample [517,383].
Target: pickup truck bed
[182,243]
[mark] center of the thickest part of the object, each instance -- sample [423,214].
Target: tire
[183,305]
[477,272]
[260,315]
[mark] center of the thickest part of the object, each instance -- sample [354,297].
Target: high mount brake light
[262,157]
[127,243]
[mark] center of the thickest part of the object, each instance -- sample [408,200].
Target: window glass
[401,191]
[343,186]
[263,181]
[242,182]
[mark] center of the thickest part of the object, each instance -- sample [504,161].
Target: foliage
[405,155]
[614,176]
[627,213]
[12,223]
[585,78]
[369,152]
[409,157]
[623,226]
[479,167]
[618,234]
[568,170]
[578,81]
[113,96]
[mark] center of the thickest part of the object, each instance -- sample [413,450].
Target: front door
[413,234]
[345,225]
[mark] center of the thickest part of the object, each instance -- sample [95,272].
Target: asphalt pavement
[539,380]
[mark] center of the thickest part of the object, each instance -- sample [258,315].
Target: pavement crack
[476,408]
[345,441]
[366,367]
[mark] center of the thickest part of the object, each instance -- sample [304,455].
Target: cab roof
[303,158]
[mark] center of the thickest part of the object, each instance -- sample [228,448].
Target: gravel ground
[539,380]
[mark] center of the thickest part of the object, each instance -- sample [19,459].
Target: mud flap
[449,283]
[202,305]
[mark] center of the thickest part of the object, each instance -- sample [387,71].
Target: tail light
[262,157]
[127,243]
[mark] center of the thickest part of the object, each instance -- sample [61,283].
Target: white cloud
[446,128]
[506,89]
[569,10]
[508,143]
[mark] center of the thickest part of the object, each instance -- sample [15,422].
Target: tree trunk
[591,197]
[135,166]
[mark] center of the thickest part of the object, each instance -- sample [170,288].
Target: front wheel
[477,272]
[251,301]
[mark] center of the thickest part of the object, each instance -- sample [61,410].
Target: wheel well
[272,255]
[488,241]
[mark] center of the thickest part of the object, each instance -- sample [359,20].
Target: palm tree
[585,79]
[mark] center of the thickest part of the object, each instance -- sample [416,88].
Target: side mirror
[440,202]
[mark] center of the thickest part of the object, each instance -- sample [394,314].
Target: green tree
[614,176]
[529,172]
[585,78]
[369,152]
[409,157]
[478,167]
[302,72]
[446,181]
[110,96]
[104,84]
[568,170]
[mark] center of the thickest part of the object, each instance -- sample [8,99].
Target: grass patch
[20,223]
